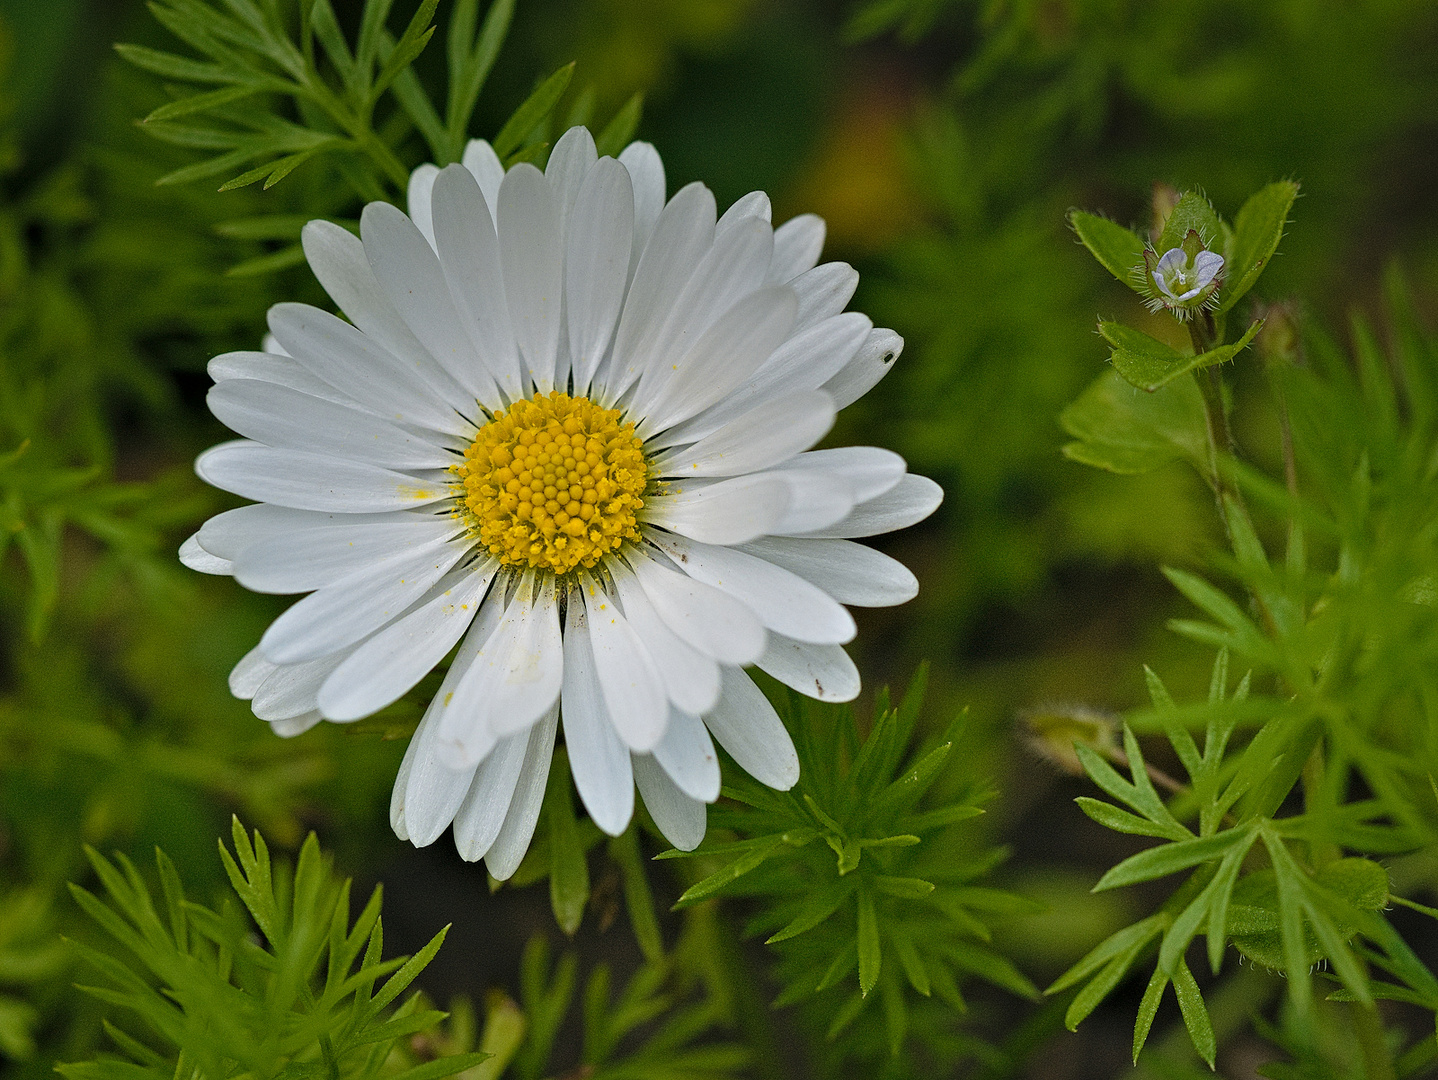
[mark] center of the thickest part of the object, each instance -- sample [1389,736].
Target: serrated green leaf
[410,44]
[443,1067]
[469,69]
[870,952]
[638,898]
[331,38]
[1118,250]
[735,870]
[1147,1010]
[1169,859]
[1256,233]
[535,108]
[907,888]
[620,129]
[816,908]
[1149,364]
[169,66]
[1195,1014]
[1111,817]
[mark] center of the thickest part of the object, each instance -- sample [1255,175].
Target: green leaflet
[1125,430]
[1119,250]
[1149,364]
[1256,234]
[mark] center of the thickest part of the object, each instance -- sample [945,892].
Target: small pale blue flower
[1182,279]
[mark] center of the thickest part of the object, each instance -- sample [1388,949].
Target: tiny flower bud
[1165,198]
[1277,342]
[1051,732]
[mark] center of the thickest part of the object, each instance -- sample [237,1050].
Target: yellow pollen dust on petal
[554,483]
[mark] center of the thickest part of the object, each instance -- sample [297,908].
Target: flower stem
[1220,436]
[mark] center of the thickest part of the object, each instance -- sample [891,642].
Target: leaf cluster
[854,875]
[1339,633]
[313,999]
[277,89]
[659,1025]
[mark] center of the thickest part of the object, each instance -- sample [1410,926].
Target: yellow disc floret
[554,483]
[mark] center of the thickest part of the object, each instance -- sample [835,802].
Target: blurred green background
[943,140]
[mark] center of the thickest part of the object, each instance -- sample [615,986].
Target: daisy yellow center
[554,483]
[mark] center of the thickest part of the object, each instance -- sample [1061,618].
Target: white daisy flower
[566,428]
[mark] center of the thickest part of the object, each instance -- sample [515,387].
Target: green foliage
[1340,634]
[219,1002]
[659,1026]
[29,955]
[853,876]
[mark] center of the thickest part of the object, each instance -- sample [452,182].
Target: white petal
[868,470]
[680,237]
[409,271]
[824,672]
[484,165]
[228,534]
[510,845]
[724,356]
[291,726]
[197,558]
[390,664]
[804,362]
[747,726]
[355,607]
[338,259]
[691,678]
[766,435]
[287,419]
[270,344]
[870,364]
[248,675]
[817,499]
[912,500]
[687,754]
[646,170]
[727,512]
[711,621]
[569,163]
[517,675]
[434,792]
[401,783]
[421,188]
[754,205]
[598,759]
[290,689]
[784,602]
[851,573]
[341,355]
[490,793]
[469,254]
[468,741]
[273,368]
[634,693]
[305,481]
[731,270]
[312,558]
[600,235]
[533,261]
[680,818]
[797,244]
[823,292]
